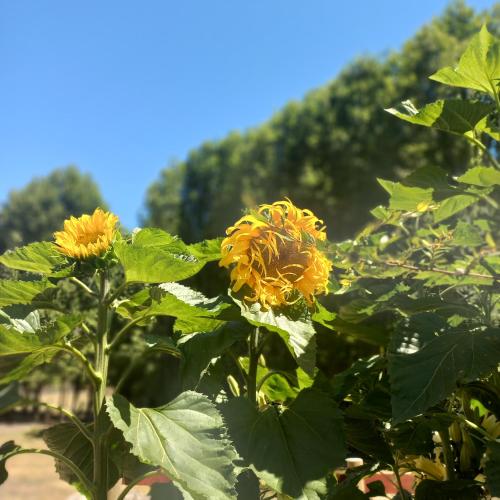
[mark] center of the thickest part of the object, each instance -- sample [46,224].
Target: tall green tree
[36,211]
[324,151]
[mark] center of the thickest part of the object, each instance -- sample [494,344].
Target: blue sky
[121,87]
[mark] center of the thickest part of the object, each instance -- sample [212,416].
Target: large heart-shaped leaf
[21,351]
[22,292]
[40,258]
[154,256]
[67,440]
[291,450]
[185,437]
[293,325]
[199,349]
[425,377]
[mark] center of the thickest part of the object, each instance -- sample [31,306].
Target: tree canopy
[36,211]
[324,151]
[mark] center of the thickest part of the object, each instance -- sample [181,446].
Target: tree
[36,211]
[324,151]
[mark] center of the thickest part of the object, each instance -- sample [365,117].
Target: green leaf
[424,378]
[292,324]
[199,349]
[408,198]
[481,176]
[479,65]
[194,311]
[185,437]
[22,292]
[66,439]
[22,351]
[7,450]
[154,256]
[248,487]
[161,343]
[452,205]
[40,258]
[454,116]
[291,450]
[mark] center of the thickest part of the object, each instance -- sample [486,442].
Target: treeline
[324,151]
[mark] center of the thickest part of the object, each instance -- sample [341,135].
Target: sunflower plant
[202,439]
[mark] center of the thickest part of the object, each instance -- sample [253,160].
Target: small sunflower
[88,235]
[274,252]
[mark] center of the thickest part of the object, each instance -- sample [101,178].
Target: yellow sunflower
[273,251]
[88,235]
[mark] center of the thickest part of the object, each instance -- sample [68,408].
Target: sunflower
[88,235]
[274,252]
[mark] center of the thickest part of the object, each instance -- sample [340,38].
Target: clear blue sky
[121,87]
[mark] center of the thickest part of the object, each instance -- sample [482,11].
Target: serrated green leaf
[199,349]
[454,116]
[42,258]
[424,378]
[452,205]
[481,176]
[22,351]
[185,437]
[21,292]
[479,65]
[293,325]
[292,450]
[66,439]
[156,264]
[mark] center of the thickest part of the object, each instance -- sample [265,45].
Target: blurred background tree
[325,151]
[36,211]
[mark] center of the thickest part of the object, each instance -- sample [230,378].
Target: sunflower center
[286,260]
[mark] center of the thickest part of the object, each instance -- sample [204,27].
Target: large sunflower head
[274,252]
[88,235]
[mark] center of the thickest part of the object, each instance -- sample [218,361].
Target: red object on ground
[389,480]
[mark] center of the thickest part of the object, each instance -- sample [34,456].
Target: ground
[33,477]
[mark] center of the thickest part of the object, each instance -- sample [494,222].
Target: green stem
[82,285]
[78,423]
[134,482]
[93,375]
[123,331]
[116,293]
[74,468]
[253,359]
[448,454]
[402,492]
[101,366]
